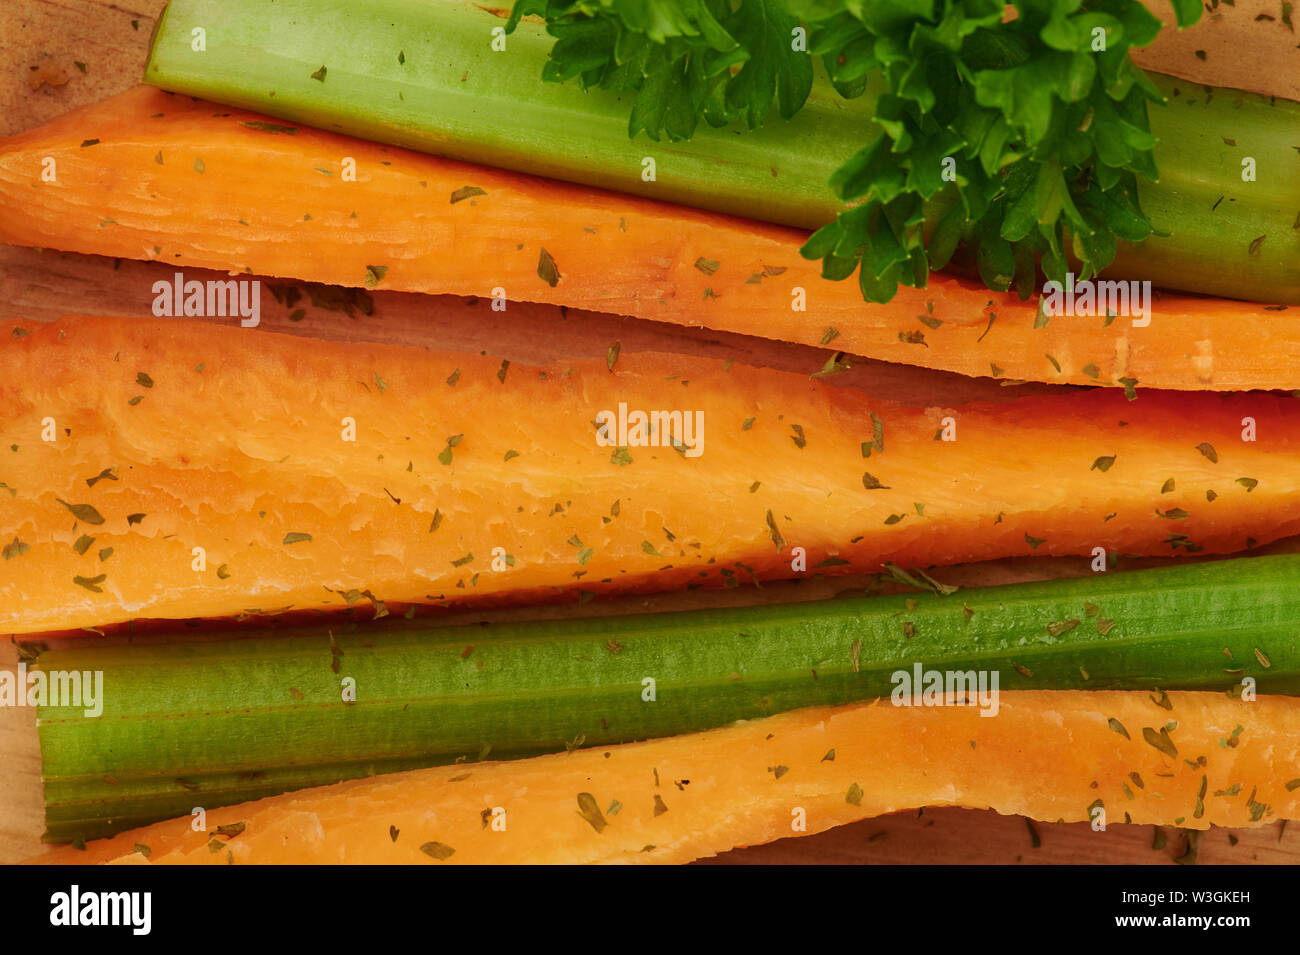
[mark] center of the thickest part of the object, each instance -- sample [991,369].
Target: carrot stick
[152,176]
[194,469]
[1051,755]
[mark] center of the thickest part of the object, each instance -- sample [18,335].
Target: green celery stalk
[1213,215]
[212,723]
[422,74]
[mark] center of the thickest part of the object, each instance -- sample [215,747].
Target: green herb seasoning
[547,270]
[466,192]
[1160,741]
[878,433]
[105,475]
[83,512]
[437,850]
[589,810]
[273,128]
[16,548]
[775,532]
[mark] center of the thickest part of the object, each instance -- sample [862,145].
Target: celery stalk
[423,74]
[212,723]
[1213,214]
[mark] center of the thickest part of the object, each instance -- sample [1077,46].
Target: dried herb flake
[466,192]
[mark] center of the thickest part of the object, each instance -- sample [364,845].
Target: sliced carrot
[152,176]
[153,468]
[1105,758]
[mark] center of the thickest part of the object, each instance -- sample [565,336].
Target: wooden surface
[41,42]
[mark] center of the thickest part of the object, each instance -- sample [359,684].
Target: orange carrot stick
[1069,755]
[175,469]
[152,176]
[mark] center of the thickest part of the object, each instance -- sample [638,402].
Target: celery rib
[218,722]
[423,75]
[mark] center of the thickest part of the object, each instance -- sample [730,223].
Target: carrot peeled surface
[154,176]
[1187,759]
[306,471]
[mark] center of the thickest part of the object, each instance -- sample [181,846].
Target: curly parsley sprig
[1039,124]
[719,60]
[1009,134]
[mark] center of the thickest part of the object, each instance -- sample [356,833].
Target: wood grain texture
[1247,46]
[41,44]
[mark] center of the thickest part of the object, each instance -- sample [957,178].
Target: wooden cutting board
[55,56]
